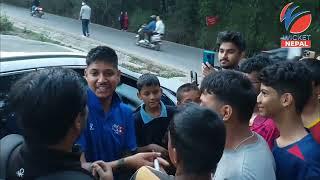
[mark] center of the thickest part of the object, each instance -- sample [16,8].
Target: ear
[77,122]
[286,99]
[243,54]
[139,96]
[172,152]
[86,73]
[226,112]
[118,76]
[174,159]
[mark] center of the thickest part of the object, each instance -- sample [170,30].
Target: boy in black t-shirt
[152,117]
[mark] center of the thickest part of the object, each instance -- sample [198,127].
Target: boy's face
[210,101]
[229,55]
[102,78]
[190,96]
[268,102]
[150,95]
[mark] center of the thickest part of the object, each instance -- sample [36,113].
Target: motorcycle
[155,42]
[38,12]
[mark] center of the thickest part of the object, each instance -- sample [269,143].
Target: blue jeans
[85,27]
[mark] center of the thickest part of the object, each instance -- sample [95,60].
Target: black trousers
[85,27]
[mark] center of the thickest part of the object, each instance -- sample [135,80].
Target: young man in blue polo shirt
[285,90]
[110,133]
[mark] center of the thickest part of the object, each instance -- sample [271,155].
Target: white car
[14,65]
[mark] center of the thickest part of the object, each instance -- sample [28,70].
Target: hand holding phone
[208,57]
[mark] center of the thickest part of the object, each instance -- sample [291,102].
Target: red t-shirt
[266,128]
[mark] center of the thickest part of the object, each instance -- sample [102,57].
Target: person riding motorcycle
[150,28]
[35,4]
[160,27]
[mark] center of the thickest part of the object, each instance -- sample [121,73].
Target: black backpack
[10,144]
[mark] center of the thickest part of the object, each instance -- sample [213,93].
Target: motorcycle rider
[35,4]
[160,27]
[150,28]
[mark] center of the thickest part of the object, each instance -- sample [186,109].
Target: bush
[5,24]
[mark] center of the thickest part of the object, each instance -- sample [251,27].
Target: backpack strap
[7,145]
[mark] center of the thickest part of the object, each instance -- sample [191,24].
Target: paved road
[179,56]
[13,43]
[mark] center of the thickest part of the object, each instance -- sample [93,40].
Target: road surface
[175,55]
[13,44]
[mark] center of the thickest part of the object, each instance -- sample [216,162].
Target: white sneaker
[83,36]
[88,35]
[142,41]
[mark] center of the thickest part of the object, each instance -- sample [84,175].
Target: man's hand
[102,170]
[144,159]
[207,69]
[156,148]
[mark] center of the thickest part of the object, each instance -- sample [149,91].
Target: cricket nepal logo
[295,23]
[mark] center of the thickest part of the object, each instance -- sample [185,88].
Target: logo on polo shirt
[118,129]
[20,173]
[91,127]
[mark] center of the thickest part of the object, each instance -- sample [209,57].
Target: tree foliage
[185,23]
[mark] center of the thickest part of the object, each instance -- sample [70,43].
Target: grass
[152,68]
[28,34]
[5,24]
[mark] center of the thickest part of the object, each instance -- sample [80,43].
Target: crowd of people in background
[250,119]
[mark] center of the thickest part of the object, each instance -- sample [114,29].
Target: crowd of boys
[256,119]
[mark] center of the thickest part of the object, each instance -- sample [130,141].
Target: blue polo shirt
[108,134]
[146,117]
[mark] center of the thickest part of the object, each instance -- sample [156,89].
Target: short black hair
[231,36]
[232,88]
[147,80]
[199,136]
[255,63]
[314,66]
[47,102]
[186,88]
[289,77]
[104,54]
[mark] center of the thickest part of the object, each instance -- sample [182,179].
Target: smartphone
[208,56]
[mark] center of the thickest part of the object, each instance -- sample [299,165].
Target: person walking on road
[121,17]
[85,14]
[125,21]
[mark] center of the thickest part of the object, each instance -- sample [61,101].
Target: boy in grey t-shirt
[246,154]
[251,161]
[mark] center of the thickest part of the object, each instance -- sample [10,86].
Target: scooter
[38,12]
[155,40]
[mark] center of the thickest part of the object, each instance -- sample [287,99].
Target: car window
[7,118]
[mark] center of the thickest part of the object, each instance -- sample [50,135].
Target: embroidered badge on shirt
[118,129]
[91,127]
